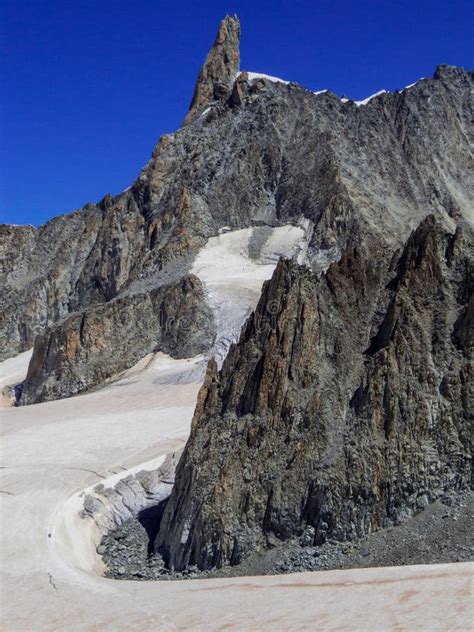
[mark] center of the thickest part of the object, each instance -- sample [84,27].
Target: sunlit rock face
[87,348]
[217,76]
[260,152]
[344,407]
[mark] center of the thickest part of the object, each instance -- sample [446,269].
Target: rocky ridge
[253,151]
[91,346]
[345,406]
[218,74]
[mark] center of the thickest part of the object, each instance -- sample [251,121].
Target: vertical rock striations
[217,76]
[256,151]
[85,349]
[344,406]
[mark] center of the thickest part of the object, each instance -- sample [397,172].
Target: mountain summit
[220,69]
[255,151]
[343,406]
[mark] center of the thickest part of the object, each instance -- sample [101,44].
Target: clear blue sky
[89,86]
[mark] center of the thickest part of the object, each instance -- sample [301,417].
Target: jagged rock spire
[222,65]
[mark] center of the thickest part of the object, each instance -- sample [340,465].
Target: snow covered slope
[53,452]
[50,452]
[232,268]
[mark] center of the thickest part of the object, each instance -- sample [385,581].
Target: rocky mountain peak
[258,152]
[446,71]
[220,69]
[303,427]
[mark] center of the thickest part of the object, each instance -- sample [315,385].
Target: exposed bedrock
[253,151]
[87,348]
[217,76]
[345,406]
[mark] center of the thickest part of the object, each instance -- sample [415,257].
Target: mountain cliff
[346,406]
[95,290]
[89,347]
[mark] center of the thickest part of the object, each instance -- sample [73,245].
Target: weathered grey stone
[329,411]
[361,174]
[347,399]
[308,535]
[220,69]
[88,347]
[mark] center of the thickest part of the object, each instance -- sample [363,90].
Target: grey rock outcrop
[222,65]
[88,347]
[262,153]
[346,406]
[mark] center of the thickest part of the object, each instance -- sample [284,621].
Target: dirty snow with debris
[53,453]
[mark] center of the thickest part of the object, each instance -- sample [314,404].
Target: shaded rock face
[89,347]
[40,272]
[344,407]
[262,153]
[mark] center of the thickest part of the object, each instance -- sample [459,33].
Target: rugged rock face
[40,271]
[91,346]
[344,407]
[253,151]
[220,69]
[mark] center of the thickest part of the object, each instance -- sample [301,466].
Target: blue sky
[89,87]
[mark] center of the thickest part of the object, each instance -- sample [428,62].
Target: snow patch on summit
[412,84]
[257,75]
[368,99]
[376,94]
